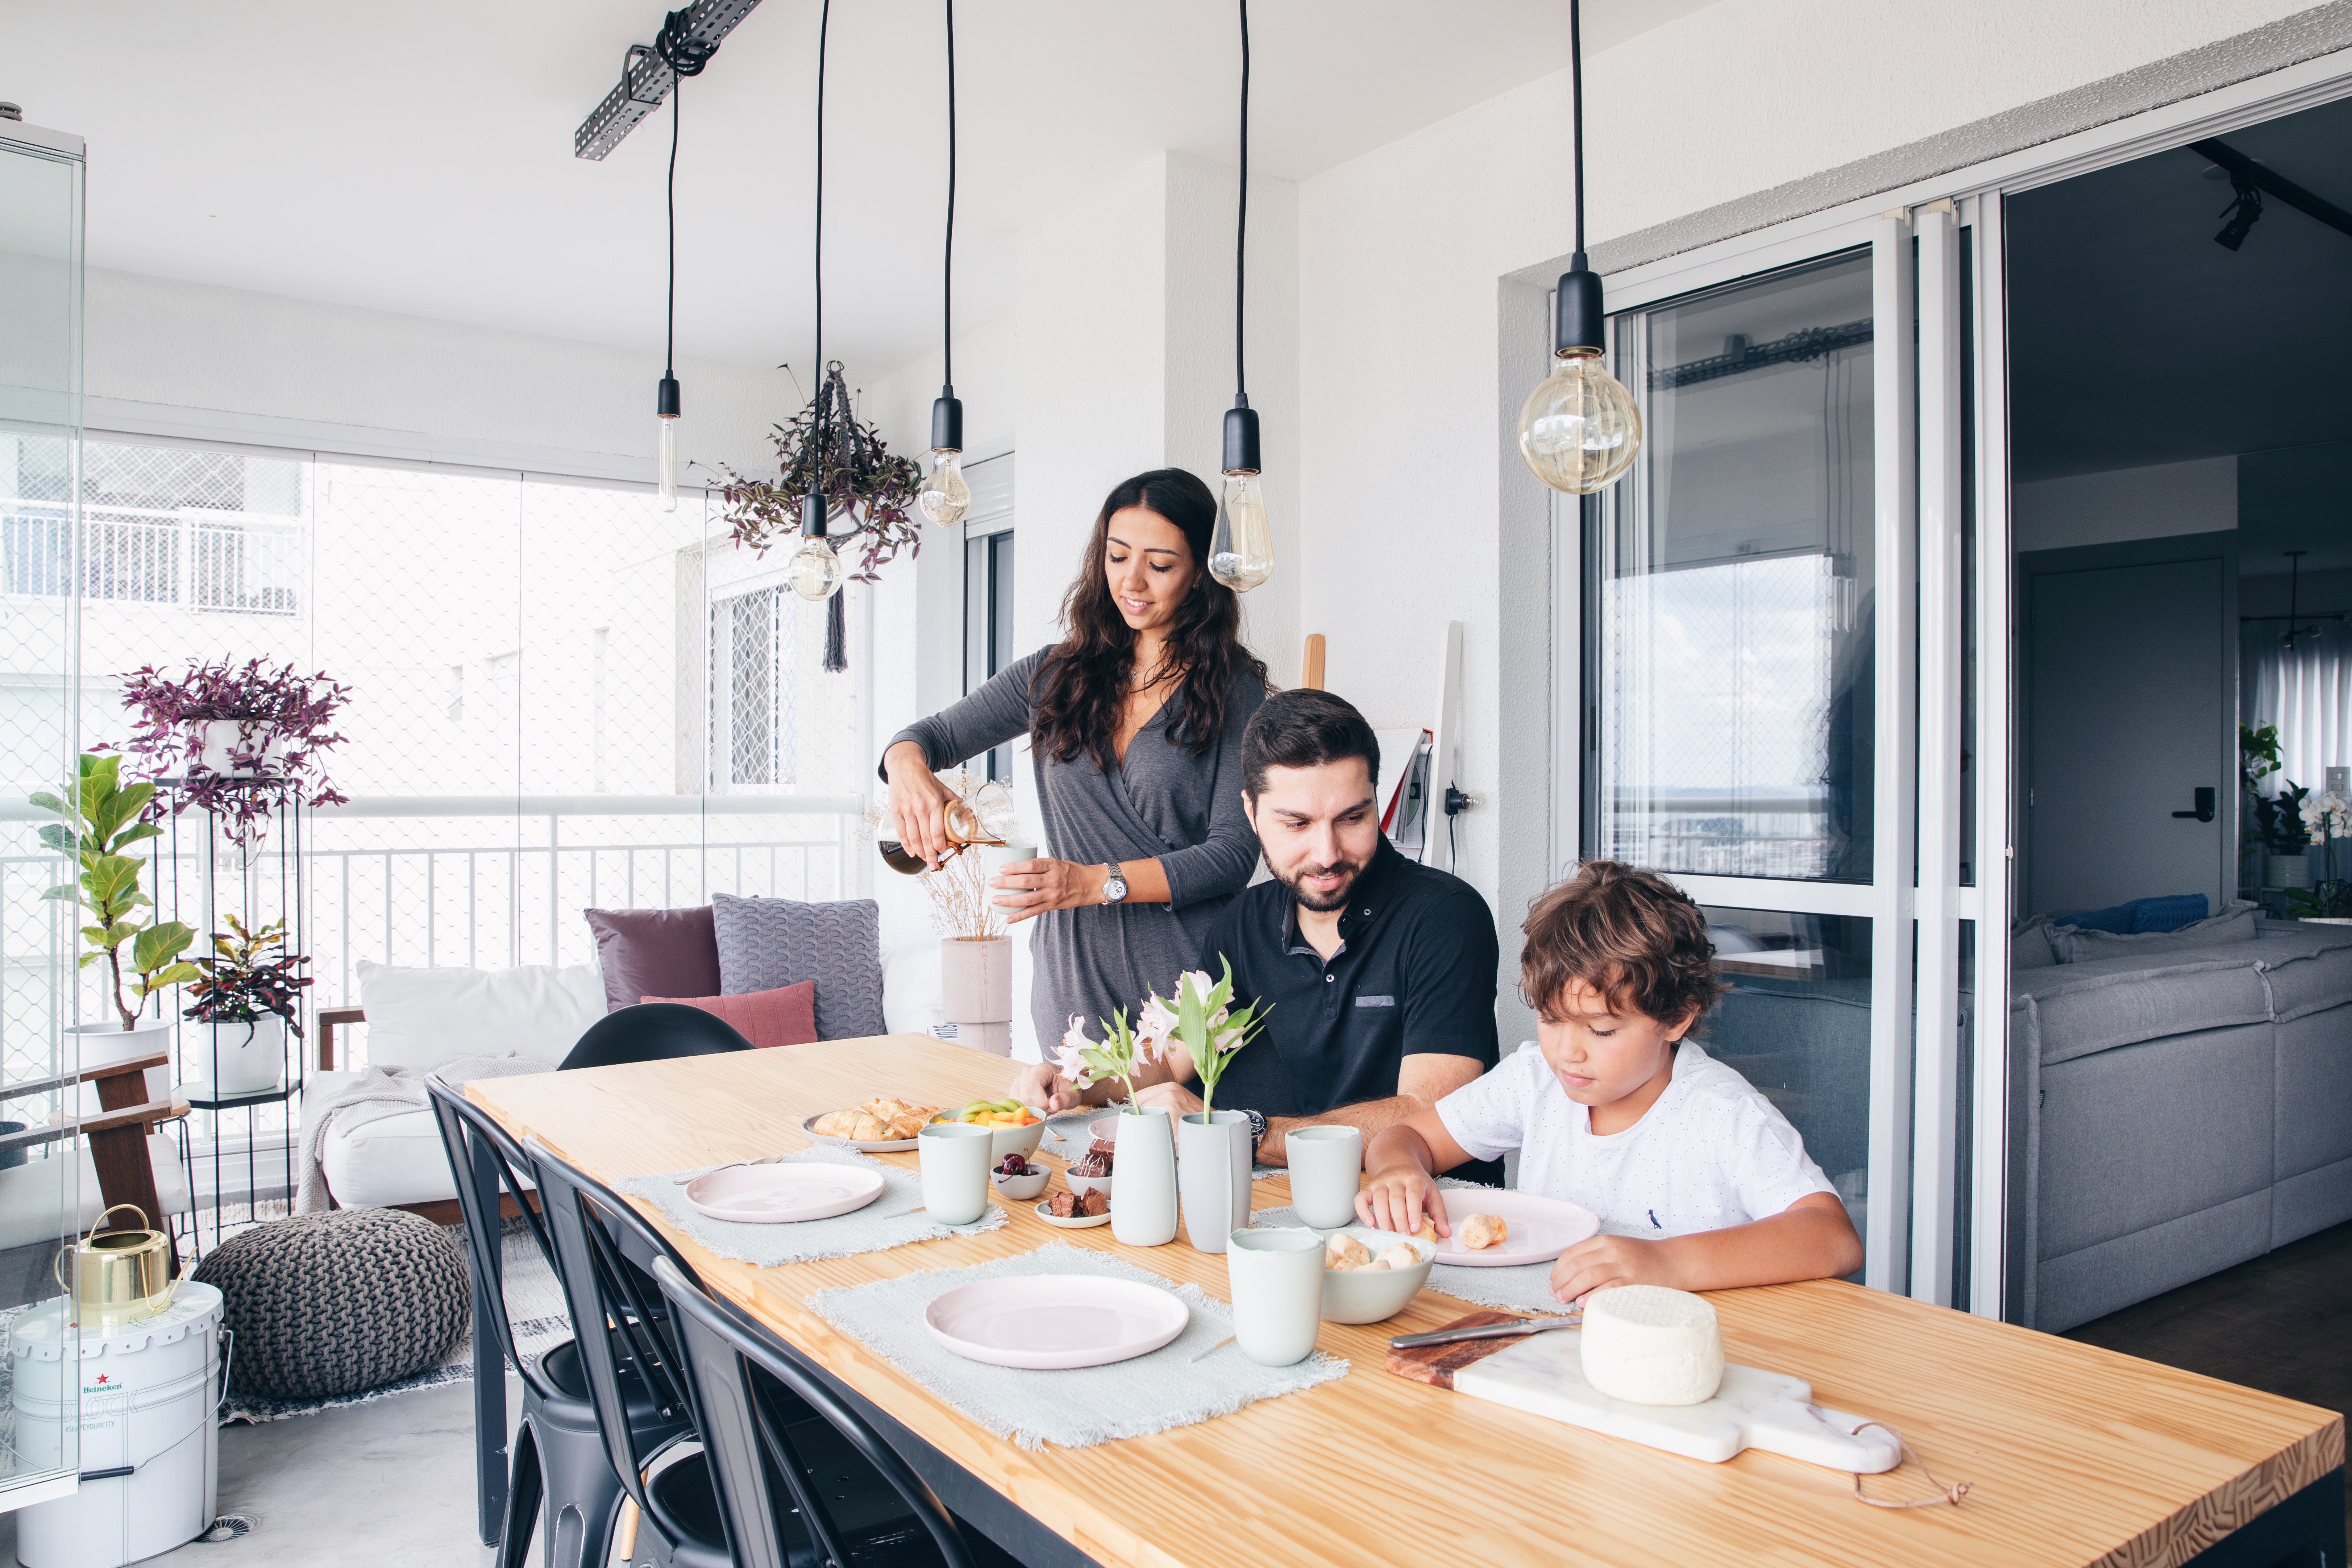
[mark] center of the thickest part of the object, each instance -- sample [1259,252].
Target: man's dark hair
[1304,728]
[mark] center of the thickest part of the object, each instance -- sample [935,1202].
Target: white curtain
[2307,692]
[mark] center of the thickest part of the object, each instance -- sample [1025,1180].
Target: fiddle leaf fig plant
[105,820]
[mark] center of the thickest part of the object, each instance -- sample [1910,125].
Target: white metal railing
[201,557]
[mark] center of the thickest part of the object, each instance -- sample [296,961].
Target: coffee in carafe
[964,831]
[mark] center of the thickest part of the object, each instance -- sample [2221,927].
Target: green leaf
[59,838]
[159,944]
[177,973]
[111,936]
[135,833]
[64,890]
[88,959]
[49,802]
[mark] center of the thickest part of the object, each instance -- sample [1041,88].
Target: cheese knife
[1486,1331]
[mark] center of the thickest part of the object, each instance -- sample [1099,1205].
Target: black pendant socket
[813,515]
[1583,324]
[947,421]
[666,398]
[1241,438]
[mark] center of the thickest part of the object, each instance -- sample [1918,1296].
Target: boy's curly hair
[1629,934]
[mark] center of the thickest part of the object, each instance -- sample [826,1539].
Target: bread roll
[1344,1251]
[1401,1255]
[1481,1231]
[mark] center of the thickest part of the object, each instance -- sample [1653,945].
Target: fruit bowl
[1003,1141]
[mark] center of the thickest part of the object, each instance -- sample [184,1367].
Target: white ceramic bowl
[1003,1141]
[1082,1186]
[1373,1295]
[1021,1189]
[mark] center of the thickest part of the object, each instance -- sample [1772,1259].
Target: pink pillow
[784,1016]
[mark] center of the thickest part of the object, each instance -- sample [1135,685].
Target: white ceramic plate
[872,1146]
[1540,1228]
[1052,1321]
[1076,1222]
[779,1195]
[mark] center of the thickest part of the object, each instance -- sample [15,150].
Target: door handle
[2204,812]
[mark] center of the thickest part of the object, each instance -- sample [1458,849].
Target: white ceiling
[417,157]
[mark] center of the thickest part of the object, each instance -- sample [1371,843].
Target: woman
[1135,723]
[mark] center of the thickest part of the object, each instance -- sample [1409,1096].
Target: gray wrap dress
[1164,804]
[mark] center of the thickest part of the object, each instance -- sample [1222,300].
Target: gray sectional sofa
[2173,1113]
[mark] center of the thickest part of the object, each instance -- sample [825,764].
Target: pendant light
[1241,549]
[815,571]
[685,55]
[945,497]
[1580,430]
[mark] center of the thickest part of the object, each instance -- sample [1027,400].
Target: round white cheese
[1649,1346]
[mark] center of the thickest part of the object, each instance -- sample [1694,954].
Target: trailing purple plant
[242,981]
[826,448]
[217,731]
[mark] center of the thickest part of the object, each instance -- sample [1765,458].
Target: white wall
[2153,503]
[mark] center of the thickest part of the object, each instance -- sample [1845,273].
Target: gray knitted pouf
[334,1303]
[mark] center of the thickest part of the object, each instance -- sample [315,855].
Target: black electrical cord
[1241,225]
[1576,101]
[946,266]
[669,329]
[816,470]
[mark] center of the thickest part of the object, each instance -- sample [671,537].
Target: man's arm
[1423,1079]
[1038,1084]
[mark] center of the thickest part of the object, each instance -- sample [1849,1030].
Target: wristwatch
[1115,888]
[1257,1130]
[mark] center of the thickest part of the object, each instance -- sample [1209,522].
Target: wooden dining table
[2074,1455]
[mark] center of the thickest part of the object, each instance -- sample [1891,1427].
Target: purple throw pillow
[655,952]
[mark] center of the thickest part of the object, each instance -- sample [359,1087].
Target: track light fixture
[646,76]
[1241,548]
[2251,182]
[1580,430]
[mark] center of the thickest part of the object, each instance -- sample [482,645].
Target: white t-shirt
[1711,1153]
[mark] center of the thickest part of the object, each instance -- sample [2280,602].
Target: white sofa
[32,1195]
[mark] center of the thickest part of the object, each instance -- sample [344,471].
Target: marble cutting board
[1544,1376]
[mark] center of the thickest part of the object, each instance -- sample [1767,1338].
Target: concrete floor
[388,1484]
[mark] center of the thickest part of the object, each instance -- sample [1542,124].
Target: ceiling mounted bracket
[646,79]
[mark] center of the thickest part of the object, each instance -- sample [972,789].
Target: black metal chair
[773,1433]
[594,1230]
[652,1032]
[559,1455]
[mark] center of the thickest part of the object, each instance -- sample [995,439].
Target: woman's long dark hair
[1081,688]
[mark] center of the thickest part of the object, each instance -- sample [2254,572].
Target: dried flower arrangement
[280,723]
[961,907]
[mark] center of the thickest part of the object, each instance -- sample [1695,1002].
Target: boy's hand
[1604,1260]
[1395,1197]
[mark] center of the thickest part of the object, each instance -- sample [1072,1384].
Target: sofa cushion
[2076,944]
[2084,1008]
[33,1194]
[2308,968]
[655,952]
[767,943]
[2315,1090]
[784,1016]
[2030,946]
[421,1017]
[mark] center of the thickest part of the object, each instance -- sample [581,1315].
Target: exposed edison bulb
[666,463]
[815,571]
[1580,429]
[945,497]
[1241,550]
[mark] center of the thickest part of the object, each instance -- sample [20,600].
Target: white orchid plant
[2326,816]
[1201,1022]
[1120,1055]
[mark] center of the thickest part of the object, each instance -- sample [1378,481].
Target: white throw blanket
[389,1091]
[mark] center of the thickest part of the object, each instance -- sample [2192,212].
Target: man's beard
[1324,903]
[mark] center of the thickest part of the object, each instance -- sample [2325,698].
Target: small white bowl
[1373,1295]
[1019,1189]
[1082,1186]
[1077,1221]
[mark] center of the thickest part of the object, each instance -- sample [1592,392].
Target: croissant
[1484,1230]
[836,1125]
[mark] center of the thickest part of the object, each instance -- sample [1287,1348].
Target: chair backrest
[592,1227]
[486,1164]
[748,1384]
[654,1032]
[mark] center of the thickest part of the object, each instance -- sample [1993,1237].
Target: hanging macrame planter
[825,448]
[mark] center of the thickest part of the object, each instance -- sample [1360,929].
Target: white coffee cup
[1276,1280]
[954,1156]
[994,857]
[1325,1162]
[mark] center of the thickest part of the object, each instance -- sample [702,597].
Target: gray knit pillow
[765,943]
[328,1304]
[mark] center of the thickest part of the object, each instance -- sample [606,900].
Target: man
[1381,972]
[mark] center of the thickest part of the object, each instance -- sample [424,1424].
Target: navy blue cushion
[2170,912]
[2117,920]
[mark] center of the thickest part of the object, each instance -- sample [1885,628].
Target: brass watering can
[120,1276]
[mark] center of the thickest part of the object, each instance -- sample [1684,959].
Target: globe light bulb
[815,571]
[1580,430]
[1241,549]
[945,497]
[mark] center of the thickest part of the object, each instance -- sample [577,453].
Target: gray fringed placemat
[1083,1406]
[872,1228]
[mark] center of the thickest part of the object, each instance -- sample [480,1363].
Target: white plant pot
[245,1059]
[976,980]
[1143,1199]
[2287,870]
[1212,1174]
[219,737]
[107,1041]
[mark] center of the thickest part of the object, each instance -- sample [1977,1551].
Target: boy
[1701,1179]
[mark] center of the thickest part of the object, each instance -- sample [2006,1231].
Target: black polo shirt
[1415,973]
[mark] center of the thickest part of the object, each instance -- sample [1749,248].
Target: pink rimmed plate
[1540,1228]
[781,1194]
[1055,1321]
